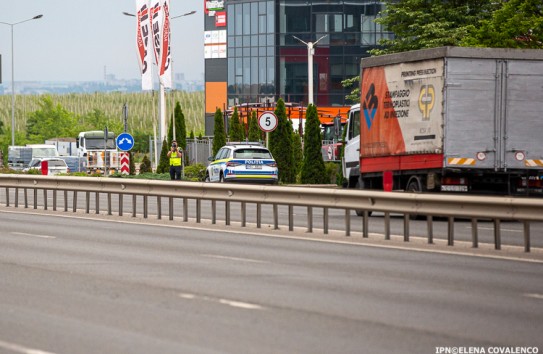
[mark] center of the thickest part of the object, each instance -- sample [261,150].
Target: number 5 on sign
[267,122]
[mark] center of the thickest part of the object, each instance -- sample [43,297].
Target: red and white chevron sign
[125,163]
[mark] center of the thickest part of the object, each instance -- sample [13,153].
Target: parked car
[55,165]
[242,162]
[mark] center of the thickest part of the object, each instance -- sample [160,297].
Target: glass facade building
[264,61]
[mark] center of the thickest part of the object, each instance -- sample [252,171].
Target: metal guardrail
[475,208]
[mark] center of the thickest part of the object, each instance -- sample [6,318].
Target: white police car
[242,162]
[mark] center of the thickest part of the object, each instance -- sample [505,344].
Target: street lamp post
[310,52]
[13,75]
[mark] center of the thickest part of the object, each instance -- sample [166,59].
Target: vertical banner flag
[143,40]
[160,23]
[165,58]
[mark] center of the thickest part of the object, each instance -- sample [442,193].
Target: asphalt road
[73,285]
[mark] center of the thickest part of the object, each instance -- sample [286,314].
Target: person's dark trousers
[175,172]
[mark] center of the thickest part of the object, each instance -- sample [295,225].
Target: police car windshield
[251,153]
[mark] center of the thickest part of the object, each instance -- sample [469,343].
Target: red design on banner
[220,19]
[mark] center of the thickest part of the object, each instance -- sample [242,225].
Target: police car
[242,162]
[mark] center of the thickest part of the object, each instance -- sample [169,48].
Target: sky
[79,40]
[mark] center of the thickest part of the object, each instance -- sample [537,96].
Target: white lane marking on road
[492,229]
[234,258]
[535,296]
[232,303]
[31,235]
[240,304]
[20,349]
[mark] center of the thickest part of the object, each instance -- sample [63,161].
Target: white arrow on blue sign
[125,142]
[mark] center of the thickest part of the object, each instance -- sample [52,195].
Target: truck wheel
[360,212]
[221,178]
[207,178]
[415,186]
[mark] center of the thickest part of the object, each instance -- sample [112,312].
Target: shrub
[196,172]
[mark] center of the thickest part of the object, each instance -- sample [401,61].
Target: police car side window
[219,154]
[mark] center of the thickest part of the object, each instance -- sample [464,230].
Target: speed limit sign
[267,122]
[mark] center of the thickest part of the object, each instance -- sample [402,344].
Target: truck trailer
[449,119]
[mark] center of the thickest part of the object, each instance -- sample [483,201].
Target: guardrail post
[65,200]
[309,219]
[430,228]
[275,217]
[214,212]
[145,206]
[185,210]
[133,205]
[170,208]
[497,235]
[44,199]
[87,202]
[290,217]
[450,232]
[325,220]
[347,222]
[74,202]
[35,198]
[54,200]
[159,207]
[121,204]
[227,213]
[474,234]
[96,202]
[198,210]
[25,192]
[16,197]
[258,215]
[243,214]
[387,225]
[108,203]
[366,223]
[526,236]
[406,227]
[7,196]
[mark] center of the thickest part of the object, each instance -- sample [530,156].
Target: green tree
[50,121]
[419,24]
[313,170]
[191,135]
[237,133]
[254,130]
[297,153]
[180,127]
[219,135]
[164,163]
[517,24]
[97,120]
[145,166]
[353,83]
[281,144]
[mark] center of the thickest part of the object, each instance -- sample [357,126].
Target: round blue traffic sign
[125,142]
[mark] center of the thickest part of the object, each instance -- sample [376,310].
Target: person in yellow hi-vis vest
[175,155]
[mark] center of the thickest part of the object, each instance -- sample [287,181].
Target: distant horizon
[84,41]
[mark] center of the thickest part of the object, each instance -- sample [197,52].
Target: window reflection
[260,35]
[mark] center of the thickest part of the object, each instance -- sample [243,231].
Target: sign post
[267,122]
[125,142]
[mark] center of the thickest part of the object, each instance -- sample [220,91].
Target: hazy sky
[76,39]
